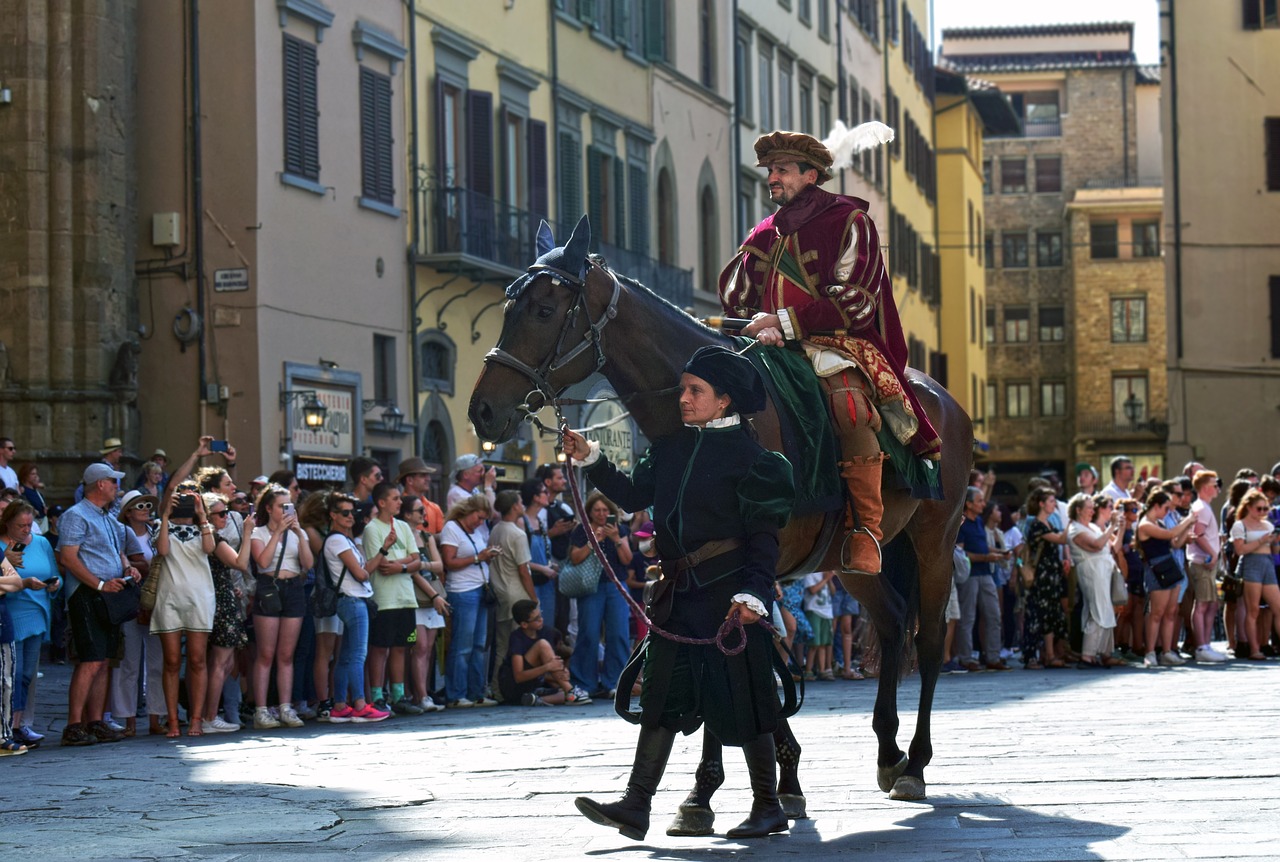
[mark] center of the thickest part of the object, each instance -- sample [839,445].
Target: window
[708,230]
[1053,323]
[824,19]
[991,325]
[1271,128]
[1273,291]
[1013,175]
[746,204]
[1104,241]
[449,136]
[1261,13]
[982,334]
[1129,402]
[1017,324]
[981,234]
[993,400]
[824,105]
[989,250]
[764,74]
[569,178]
[1014,246]
[1048,174]
[1048,248]
[1128,319]
[969,239]
[866,116]
[1017,400]
[806,102]
[301,113]
[377,171]
[786,74]
[384,367]
[513,164]
[605,198]
[437,359]
[973,317]
[655,29]
[1053,398]
[742,72]
[666,218]
[804,11]
[986,176]
[1039,112]
[638,195]
[707,44]
[1146,239]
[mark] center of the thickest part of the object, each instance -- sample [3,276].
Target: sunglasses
[146,507]
[344,513]
[221,513]
[1262,508]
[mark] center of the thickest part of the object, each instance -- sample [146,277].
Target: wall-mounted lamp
[6,96]
[313,412]
[327,364]
[488,445]
[392,421]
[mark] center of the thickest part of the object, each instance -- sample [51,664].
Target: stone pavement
[1174,763]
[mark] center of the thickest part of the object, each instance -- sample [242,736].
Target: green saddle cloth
[809,441]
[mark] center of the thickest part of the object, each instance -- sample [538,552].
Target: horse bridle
[592,337]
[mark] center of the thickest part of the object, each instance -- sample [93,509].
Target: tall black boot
[630,814]
[767,816]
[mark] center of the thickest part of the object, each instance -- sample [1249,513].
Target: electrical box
[165,230]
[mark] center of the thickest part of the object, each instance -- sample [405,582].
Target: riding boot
[630,814]
[860,553]
[790,794]
[694,817]
[767,816]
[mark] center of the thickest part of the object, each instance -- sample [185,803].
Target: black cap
[731,374]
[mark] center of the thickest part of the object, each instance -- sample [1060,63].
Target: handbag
[324,598]
[659,595]
[488,596]
[1119,590]
[580,579]
[1028,570]
[430,577]
[961,567]
[268,599]
[151,584]
[122,606]
[1166,571]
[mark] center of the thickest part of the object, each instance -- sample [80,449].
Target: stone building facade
[69,330]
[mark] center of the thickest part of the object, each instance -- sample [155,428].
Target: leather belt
[708,551]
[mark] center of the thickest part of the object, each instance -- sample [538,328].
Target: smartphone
[288,509]
[218,446]
[612,520]
[18,547]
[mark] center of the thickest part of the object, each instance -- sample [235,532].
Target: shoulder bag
[268,599]
[1028,570]
[580,579]
[961,566]
[488,596]
[324,598]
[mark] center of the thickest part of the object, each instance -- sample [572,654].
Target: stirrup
[845,568]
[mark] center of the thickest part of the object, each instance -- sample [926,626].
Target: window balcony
[673,284]
[464,231]
[1108,426]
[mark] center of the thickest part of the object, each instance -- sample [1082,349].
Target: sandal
[1055,664]
[9,746]
[1033,665]
[852,674]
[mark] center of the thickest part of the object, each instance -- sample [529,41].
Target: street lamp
[1133,409]
[392,421]
[313,411]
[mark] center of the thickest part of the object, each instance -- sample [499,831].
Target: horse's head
[550,334]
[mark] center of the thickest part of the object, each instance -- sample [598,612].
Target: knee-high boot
[767,816]
[630,814]
[694,817]
[861,551]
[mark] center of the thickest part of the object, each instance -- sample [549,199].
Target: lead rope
[732,625]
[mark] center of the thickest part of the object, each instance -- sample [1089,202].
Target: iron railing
[1110,425]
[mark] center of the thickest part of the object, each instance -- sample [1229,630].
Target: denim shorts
[293,597]
[1257,569]
[844,605]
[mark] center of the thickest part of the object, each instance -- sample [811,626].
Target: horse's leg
[887,611]
[694,816]
[788,754]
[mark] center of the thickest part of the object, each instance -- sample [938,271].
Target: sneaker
[323,708]
[289,717]
[606,694]
[1171,659]
[1006,654]
[952,667]
[27,736]
[264,720]
[577,696]
[113,725]
[1150,660]
[340,716]
[307,713]
[461,703]
[76,734]
[531,699]
[429,705]
[405,706]
[486,701]
[381,706]
[102,733]
[217,725]
[1209,655]
[369,714]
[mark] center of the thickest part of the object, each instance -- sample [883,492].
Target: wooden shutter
[1271,127]
[1253,14]
[655,29]
[537,156]
[638,195]
[442,180]
[377,172]
[1274,291]
[301,109]
[619,204]
[480,142]
[569,162]
[595,194]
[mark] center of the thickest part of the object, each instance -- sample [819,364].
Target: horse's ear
[579,242]
[545,241]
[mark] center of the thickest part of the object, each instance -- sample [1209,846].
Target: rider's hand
[765,328]
[575,445]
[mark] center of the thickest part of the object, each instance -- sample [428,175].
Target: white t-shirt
[1206,523]
[1238,531]
[475,575]
[9,478]
[818,603]
[334,545]
[290,562]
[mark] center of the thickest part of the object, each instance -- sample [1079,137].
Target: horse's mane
[668,308]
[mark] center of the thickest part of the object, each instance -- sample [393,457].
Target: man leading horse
[812,273]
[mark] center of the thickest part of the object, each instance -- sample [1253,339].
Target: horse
[570,316]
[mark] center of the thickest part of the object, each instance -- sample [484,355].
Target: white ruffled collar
[730,421]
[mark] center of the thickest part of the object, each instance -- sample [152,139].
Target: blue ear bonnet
[568,260]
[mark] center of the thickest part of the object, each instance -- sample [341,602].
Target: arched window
[435,444]
[707,44]
[437,361]
[708,233]
[666,219]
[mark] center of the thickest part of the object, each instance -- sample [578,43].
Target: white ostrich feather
[845,143]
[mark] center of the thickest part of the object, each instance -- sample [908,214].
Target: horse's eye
[544,312]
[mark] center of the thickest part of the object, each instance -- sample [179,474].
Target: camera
[185,507]
[499,471]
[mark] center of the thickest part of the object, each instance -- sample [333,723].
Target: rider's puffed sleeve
[852,299]
[632,493]
[766,497]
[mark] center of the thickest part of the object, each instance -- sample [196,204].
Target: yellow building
[965,109]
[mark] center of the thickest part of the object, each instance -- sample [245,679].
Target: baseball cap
[261,480]
[466,462]
[643,531]
[98,472]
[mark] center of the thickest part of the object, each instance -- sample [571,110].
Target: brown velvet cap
[794,147]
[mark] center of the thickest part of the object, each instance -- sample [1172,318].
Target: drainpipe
[735,166]
[415,213]
[197,196]
[840,77]
[1177,185]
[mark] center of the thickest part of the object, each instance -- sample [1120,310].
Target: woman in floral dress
[229,633]
[1046,621]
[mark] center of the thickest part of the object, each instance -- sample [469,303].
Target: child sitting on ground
[532,673]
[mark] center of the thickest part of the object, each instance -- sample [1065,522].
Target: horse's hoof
[908,787]
[887,775]
[793,805]
[692,821]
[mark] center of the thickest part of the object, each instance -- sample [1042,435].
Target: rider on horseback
[812,273]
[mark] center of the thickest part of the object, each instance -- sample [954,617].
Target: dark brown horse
[570,317]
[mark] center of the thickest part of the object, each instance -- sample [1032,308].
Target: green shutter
[638,196]
[655,29]
[595,194]
[569,206]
